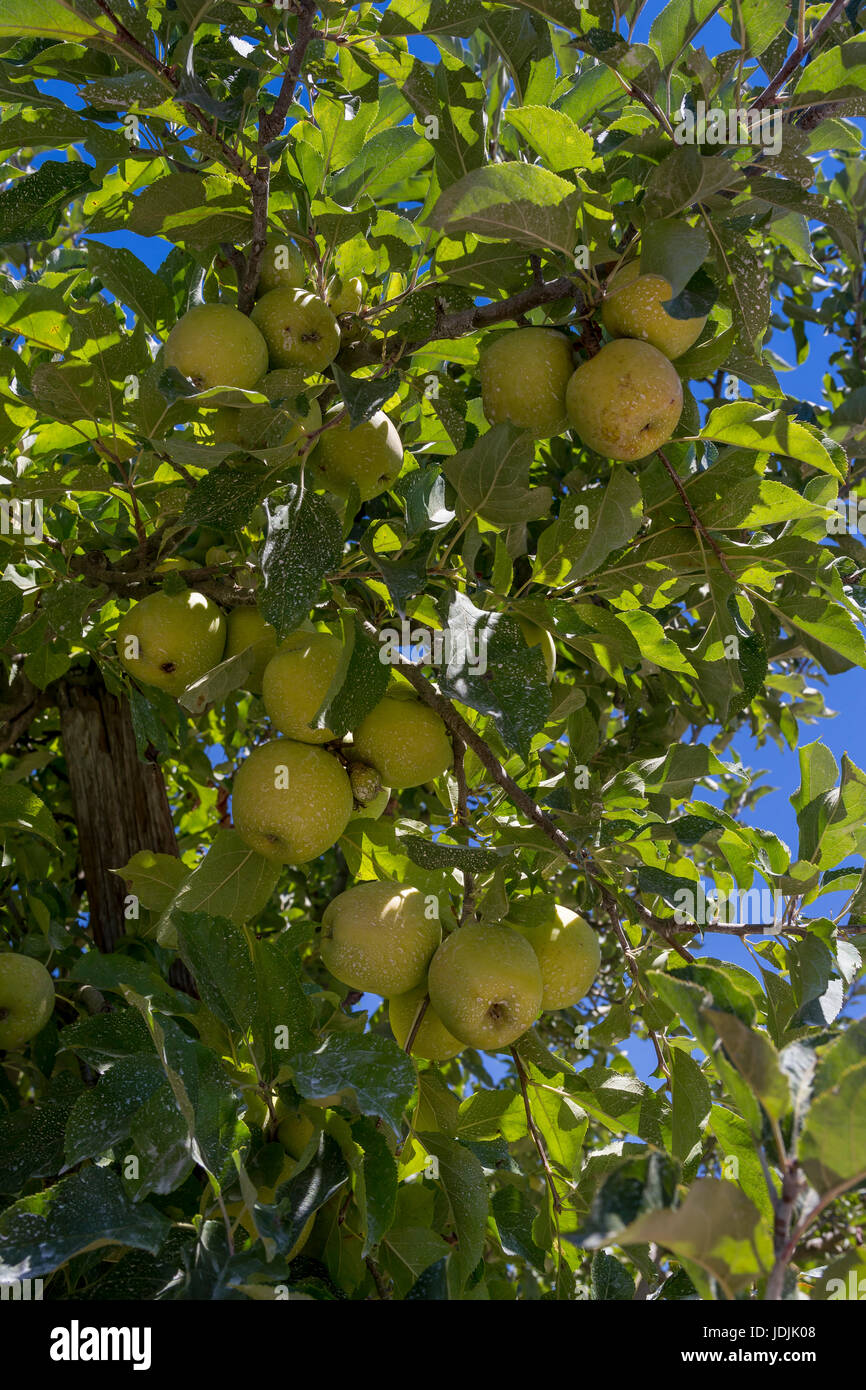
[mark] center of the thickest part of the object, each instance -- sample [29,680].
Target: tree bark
[120,804]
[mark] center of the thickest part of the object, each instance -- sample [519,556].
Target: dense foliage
[481,168]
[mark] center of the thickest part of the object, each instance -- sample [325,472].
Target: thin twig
[794,59]
[534,1133]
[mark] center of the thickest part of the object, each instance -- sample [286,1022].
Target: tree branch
[794,59]
[698,525]
[151,63]
[534,1134]
[18,708]
[463,321]
[270,127]
[272,124]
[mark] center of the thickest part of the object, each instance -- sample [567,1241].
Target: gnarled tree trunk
[120,803]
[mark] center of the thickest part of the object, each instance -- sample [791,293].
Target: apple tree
[406,535]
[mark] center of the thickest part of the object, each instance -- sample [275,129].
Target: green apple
[379,937]
[369,455]
[26,999]
[296,681]
[173,562]
[405,742]
[433,1042]
[626,400]
[299,329]
[256,1115]
[346,296]
[536,636]
[246,627]
[170,640]
[566,946]
[216,345]
[633,308]
[281,264]
[196,546]
[275,426]
[485,984]
[295,1129]
[524,374]
[290,801]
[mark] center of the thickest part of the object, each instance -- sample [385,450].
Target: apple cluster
[281,350]
[294,794]
[482,986]
[623,402]
[292,797]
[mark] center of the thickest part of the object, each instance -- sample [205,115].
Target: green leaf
[116,973]
[407,1251]
[592,523]
[434,854]
[363,396]
[304,543]
[739,1160]
[431,17]
[492,478]
[37,314]
[90,1209]
[228,495]
[11,608]
[220,681]
[692,1100]
[105,1114]
[231,881]
[104,1037]
[359,683]
[31,1139]
[756,1060]
[153,878]
[302,1196]
[744,424]
[465,1188]
[716,1226]
[375,1068]
[217,953]
[839,72]
[282,1016]
[673,249]
[555,137]
[31,209]
[675,26]
[610,1280]
[514,1214]
[130,281]
[833,1143]
[21,809]
[380,1181]
[491,669]
[512,202]
[54,19]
